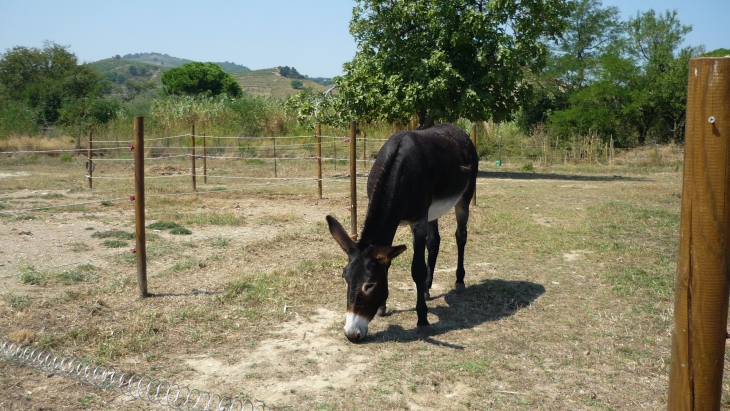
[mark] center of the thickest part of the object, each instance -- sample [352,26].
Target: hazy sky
[311,35]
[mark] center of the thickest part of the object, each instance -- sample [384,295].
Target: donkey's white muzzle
[355,327]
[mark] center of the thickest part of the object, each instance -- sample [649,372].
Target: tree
[661,95]
[297,84]
[574,60]
[445,59]
[46,79]
[200,79]
[590,33]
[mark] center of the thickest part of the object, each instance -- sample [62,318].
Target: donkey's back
[419,169]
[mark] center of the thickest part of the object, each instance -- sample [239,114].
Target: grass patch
[180,231]
[220,242]
[34,278]
[114,243]
[17,302]
[118,234]
[79,246]
[81,273]
[163,225]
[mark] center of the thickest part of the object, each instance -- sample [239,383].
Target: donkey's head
[366,276]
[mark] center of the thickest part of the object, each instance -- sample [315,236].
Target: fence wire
[153,390]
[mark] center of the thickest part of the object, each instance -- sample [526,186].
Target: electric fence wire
[289,181]
[153,390]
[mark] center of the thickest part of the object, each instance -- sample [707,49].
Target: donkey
[417,177]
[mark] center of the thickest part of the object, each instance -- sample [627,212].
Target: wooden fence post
[353,180]
[474,141]
[89,162]
[319,159]
[703,263]
[192,152]
[205,162]
[274,157]
[141,249]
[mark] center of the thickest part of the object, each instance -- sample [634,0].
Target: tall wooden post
[474,141]
[319,159]
[141,249]
[205,162]
[274,157]
[192,153]
[703,264]
[353,180]
[89,162]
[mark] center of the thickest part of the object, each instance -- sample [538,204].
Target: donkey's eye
[368,287]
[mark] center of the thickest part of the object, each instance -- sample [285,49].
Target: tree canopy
[445,59]
[636,86]
[206,79]
[47,79]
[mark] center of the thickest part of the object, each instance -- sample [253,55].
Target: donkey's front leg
[419,270]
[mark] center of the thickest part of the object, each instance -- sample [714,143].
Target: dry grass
[568,303]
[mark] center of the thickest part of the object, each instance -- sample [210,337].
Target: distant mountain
[165,60]
[141,72]
[119,70]
[233,67]
[157,59]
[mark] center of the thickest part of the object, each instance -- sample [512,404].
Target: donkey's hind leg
[433,241]
[462,216]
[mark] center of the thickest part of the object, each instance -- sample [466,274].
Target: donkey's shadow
[490,300]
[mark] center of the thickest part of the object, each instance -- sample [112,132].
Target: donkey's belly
[442,206]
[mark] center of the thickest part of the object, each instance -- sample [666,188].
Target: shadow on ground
[513,175]
[490,300]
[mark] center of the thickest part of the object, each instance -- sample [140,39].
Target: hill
[133,70]
[157,59]
[164,60]
[269,82]
[119,70]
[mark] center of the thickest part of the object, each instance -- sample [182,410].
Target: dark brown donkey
[417,177]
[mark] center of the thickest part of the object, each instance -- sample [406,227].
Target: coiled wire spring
[149,389]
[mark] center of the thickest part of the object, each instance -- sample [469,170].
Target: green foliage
[47,79]
[207,79]
[445,60]
[632,86]
[86,113]
[17,117]
[717,53]
[296,84]
[289,72]
[233,67]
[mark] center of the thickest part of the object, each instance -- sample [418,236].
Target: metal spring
[142,387]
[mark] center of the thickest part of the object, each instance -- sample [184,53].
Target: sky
[310,35]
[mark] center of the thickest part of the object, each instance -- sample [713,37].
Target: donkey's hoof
[460,287]
[381,312]
[423,331]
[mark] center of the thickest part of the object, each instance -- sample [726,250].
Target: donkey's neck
[379,228]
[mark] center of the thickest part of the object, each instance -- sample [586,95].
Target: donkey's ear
[340,235]
[384,254]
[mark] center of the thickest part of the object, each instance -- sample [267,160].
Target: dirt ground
[568,301]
